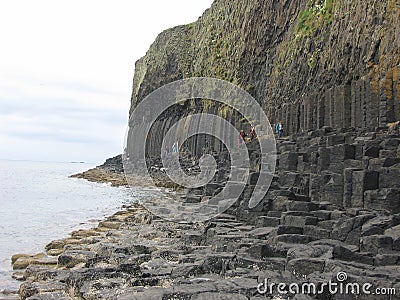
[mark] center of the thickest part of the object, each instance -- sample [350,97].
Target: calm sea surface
[39,203]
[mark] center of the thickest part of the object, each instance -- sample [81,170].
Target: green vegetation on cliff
[282,52]
[318,13]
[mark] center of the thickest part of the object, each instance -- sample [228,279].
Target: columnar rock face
[333,206]
[350,169]
[310,63]
[316,65]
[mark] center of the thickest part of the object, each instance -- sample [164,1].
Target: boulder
[288,161]
[264,221]
[301,267]
[71,258]
[348,254]
[377,244]
[386,199]
[310,251]
[292,239]
[394,233]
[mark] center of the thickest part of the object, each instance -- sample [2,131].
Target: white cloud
[66,70]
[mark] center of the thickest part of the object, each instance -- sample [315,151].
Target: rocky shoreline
[110,172]
[319,219]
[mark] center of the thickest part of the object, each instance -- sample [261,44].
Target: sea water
[39,203]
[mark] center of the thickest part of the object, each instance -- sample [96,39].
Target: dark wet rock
[310,251]
[386,259]
[265,221]
[350,229]
[301,267]
[262,261]
[51,296]
[299,220]
[284,229]
[371,151]
[187,270]
[217,263]
[377,244]
[379,224]
[302,206]
[218,296]
[261,232]
[43,273]
[288,161]
[394,233]
[292,239]
[344,253]
[316,232]
[333,243]
[71,258]
[31,289]
[383,199]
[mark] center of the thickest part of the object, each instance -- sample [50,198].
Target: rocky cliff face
[333,206]
[311,63]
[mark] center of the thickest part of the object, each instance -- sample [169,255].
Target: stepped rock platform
[333,207]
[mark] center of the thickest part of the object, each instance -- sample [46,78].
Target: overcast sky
[66,69]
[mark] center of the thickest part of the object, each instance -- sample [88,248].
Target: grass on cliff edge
[318,13]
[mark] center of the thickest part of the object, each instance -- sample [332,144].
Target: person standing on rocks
[280,129]
[241,137]
[166,151]
[252,133]
[175,147]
